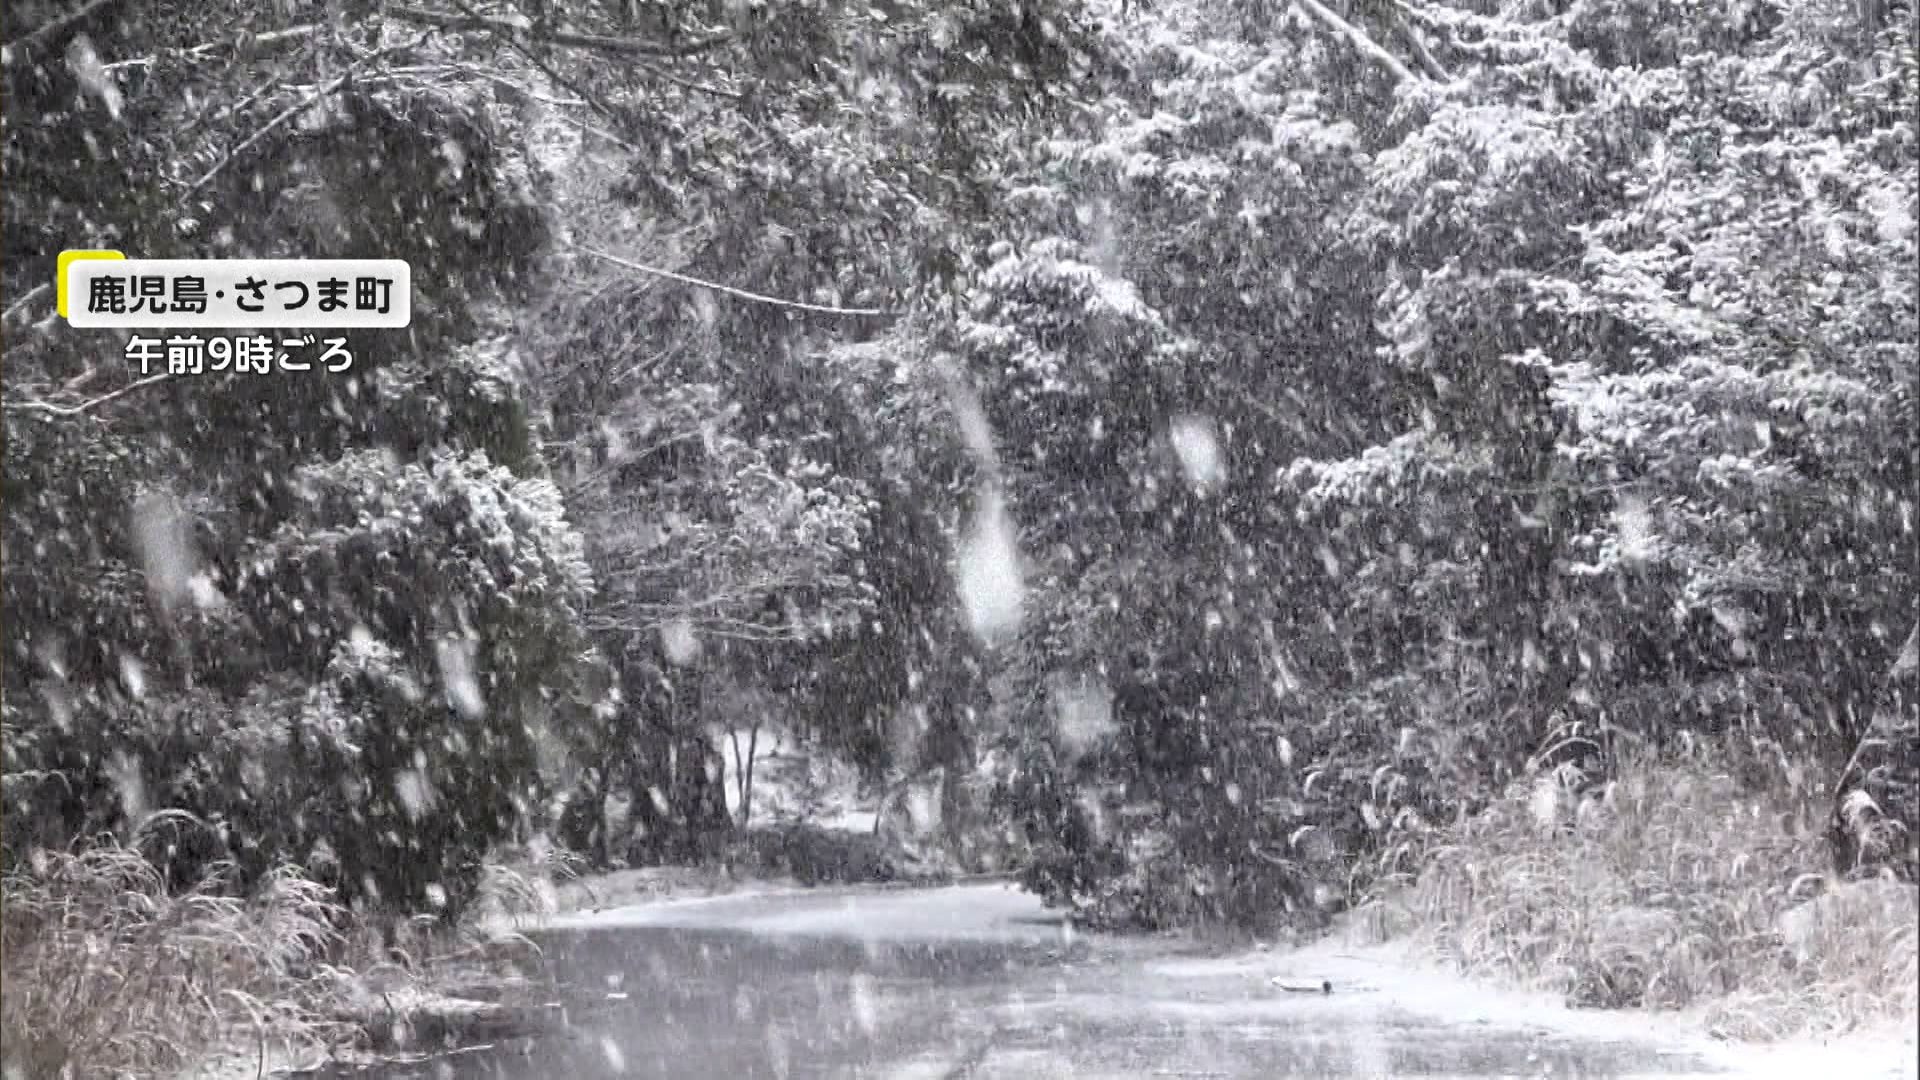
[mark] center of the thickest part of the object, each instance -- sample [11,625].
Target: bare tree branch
[569,38]
[15,308]
[530,93]
[576,486]
[268,38]
[1429,63]
[758,298]
[1359,40]
[513,35]
[502,81]
[689,84]
[297,108]
[92,403]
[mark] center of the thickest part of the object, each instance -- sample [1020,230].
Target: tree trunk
[600,846]
[743,771]
[746,788]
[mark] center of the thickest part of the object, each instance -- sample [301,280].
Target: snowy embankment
[1374,985]
[1403,977]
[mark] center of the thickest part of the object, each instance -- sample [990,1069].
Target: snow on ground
[971,913]
[1401,977]
[1372,983]
[792,782]
[1888,1052]
[845,818]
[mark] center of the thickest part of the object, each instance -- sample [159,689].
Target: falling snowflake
[92,75]
[414,791]
[133,676]
[681,644]
[1198,449]
[865,1012]
[1635,528]
[455,656]
[989,575]
[1082,716]
[131,786]
[162,538]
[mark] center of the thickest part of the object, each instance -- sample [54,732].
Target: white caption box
[239,294]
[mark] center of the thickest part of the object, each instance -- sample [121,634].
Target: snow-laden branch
[568,38]
[91,403]
[1359,40]
[245,40]
[758,298]
[1429,63]
[299,107]
[20,305]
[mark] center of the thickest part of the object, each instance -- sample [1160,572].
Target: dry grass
[1673,889]
[523,885]
[104,973]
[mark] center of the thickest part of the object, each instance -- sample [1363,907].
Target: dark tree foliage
[1388,403]
[220,546]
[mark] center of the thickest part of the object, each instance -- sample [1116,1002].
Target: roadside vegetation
[1669,887]
[111,973]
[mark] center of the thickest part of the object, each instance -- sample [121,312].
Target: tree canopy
[1262,431]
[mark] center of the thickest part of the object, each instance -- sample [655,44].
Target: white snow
[681,644]
[1399,978]
[1198,448]
[1082,715]
[1383,995]
[988,572]
[994,912]
[133,676]
[130,785]
[849,819]
[414,792]
[92,75]
[865,1012]
[455,657]
[162,538]
[1638,542]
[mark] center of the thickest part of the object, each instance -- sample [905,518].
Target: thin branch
[499,80]
[534,95]
[240,106]
[579,484]
[598,133]
[76,410]
[571,39]
[1909,658]
[15,308]
[268,38]
[758,298]
[1360,41]
[689,84]
[1429,63]
[507,32]
[296,109]
[74,385]
[730,629]
[34,39]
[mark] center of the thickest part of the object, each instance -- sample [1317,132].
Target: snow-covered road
[979,981]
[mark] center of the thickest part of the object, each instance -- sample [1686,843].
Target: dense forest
[1232,446]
